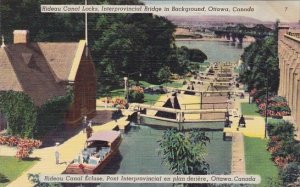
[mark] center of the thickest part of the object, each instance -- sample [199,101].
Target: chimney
[21,36]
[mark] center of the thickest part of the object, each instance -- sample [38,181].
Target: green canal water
[139,154]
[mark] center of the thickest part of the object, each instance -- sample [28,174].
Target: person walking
[56,153]
[242,122]
[84,122]
[89,130]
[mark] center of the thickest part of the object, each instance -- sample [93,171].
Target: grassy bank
[249,109]
[258,160]
[151,98]
[174,84]
[12,168]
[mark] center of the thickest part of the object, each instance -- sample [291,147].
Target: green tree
[184,59]
[163,74]
[196,55]
[184,153]
[261,59]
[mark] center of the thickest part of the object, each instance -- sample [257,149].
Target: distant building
[183,33]
[44,70]
[289,65]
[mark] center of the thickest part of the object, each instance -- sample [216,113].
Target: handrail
[137,106]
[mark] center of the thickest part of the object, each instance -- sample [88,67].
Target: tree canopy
[260,65]
[184,152]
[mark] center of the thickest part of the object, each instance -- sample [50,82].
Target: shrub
[294,184]
[282,143]
[274,182]
[51,114]
[136,94]
[3,178]
[278,99]
[20,112]
[24,146]
[277,106]
[283,130]
[274,144]
[296,151]
[163,74]
[290,172]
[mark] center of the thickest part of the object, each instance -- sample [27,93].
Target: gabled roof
[60,57]
[8,77]
[39,69]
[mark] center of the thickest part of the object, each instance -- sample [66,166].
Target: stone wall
[289,65]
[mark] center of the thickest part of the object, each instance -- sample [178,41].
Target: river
[216,51]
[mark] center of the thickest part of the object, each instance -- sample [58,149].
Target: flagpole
[86,33]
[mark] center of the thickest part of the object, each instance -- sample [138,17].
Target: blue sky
[285,11]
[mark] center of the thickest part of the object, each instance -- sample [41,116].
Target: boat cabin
[99,149]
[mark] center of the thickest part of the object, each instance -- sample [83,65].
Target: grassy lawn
[249,109]
[117,93]
[151,98]
[174,84]
[12,168]
[146,84]
[258,160]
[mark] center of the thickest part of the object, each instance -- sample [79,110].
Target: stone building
[289,65]
[44,70]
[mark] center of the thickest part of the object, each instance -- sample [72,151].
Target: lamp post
[126,81]
[248,68]
[267,102]
[125,86]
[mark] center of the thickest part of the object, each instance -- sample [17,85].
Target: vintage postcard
[149,93]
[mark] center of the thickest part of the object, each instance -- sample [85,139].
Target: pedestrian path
[238,155]
[68,151]
[7,151]
[255,125]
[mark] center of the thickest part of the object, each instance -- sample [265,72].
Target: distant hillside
[179,20]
